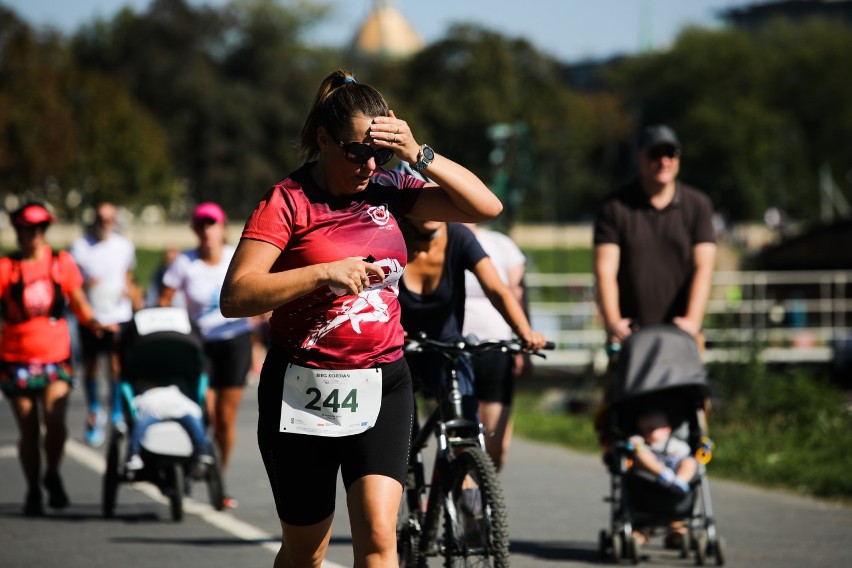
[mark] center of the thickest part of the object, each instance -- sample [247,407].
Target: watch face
[428,153]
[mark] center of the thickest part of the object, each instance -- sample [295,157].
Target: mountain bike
[460,515]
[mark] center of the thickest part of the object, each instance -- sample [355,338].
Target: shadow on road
[555,550]
[193,541]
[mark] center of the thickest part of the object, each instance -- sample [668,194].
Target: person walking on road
[654,251]
[107,261]
[36,286]
[496,372]
[323,251]
[198,275]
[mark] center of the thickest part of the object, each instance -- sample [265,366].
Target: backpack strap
[12,304]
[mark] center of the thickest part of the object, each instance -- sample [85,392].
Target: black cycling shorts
[302,469]
[228,361]
[494,381]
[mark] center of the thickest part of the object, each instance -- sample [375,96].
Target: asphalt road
[554,498]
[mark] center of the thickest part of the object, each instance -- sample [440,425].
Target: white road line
[94,460]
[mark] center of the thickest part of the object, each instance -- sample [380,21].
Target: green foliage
[533,421]
[463,85]
[783,429]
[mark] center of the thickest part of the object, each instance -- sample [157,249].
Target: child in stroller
[162,384]
[654,429]
[158,404]
[658,452]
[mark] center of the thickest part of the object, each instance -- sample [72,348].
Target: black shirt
[441,313]
[656,265]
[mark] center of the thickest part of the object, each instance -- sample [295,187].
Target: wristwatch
[424,158]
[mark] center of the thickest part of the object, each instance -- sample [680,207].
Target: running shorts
[22,378]
[228,361]
[494,380]
[302,469]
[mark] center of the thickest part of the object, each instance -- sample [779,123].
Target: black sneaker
[32,504]
[56,496]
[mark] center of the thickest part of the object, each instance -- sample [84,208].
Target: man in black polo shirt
[654,245]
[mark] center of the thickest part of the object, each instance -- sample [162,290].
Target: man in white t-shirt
[495,372]
[107,261]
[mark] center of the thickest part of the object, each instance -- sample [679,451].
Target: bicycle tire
[408,523]
[476,531]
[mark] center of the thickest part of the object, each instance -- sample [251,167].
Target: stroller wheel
[603,543]
[175,492]
[633,549]
[215,487]
[109,487]
[686,545]
[718,551]
[615,544]
[700,546]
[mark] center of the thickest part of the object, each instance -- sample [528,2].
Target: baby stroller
[160,348]
[658,367]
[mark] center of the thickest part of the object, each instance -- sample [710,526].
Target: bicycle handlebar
[423,343]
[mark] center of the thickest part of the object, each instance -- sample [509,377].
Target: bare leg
[373,504]
[29,446]
[226,403]
[303,546]
[56,431]
[497,419]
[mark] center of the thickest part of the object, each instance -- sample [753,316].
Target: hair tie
[349,80]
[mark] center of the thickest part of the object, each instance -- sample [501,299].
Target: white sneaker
[135,463]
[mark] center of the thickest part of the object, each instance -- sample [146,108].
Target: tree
[72,136]
[458,88]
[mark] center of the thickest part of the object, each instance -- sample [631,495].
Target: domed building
[387,33]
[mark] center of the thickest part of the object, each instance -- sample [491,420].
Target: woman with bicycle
[323,252]
[432,295]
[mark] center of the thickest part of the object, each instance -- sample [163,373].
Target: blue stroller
[659,368]
[161,348]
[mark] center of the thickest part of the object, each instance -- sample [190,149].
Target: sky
[570,30]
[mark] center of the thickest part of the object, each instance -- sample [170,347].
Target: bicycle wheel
[476,529]
[408,523]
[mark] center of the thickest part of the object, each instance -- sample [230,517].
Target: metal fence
[796,317]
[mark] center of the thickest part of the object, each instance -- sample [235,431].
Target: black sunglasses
[664,151]
[360,153]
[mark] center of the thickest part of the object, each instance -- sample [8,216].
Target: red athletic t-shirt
[40,338]
[328,328]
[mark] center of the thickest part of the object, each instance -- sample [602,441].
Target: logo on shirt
[379,214]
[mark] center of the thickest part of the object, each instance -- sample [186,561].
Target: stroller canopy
[658,358]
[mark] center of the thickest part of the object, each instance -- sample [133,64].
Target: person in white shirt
[107,261]
[199,274]
[495,373]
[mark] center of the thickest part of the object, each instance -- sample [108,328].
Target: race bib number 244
[333,403]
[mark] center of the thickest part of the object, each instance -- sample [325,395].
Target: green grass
[559,261]
[787,430]
[147,261]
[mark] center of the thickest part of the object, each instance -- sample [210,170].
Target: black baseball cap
[657,134]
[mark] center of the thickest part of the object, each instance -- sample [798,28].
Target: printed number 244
[332,400]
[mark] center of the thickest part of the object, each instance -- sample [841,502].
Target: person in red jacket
[36,285]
